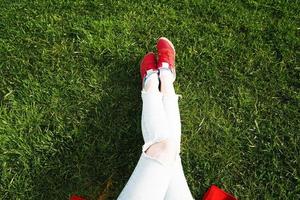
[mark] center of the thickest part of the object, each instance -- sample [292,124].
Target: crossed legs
[159,174]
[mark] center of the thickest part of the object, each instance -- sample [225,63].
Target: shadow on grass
[98,159]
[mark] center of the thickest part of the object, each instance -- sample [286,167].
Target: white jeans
[153,179]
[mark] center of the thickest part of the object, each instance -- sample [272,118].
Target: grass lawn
[70,102]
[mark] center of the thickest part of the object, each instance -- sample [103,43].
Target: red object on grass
[147,63]
[166,53]
[215,193]
[75,197]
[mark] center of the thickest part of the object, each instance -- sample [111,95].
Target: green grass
[70,95]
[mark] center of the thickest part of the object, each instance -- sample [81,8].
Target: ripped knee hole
[164,151]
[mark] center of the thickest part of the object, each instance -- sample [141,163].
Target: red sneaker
[166,53]
[148,63]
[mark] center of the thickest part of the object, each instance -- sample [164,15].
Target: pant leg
[171,108]
[150,178]
[149,181]
[178,188]
[154,120]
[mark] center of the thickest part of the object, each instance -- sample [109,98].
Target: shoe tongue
[163,59]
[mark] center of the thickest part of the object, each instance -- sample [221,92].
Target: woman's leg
[178,188]
[151,177]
